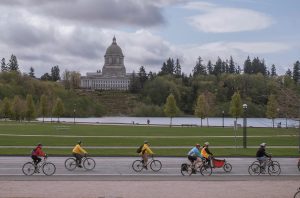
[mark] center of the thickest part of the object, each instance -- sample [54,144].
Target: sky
[74,34]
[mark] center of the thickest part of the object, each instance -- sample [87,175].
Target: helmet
[79,142]
[146,142]
[206,143]
[197,145]
[39,144]
[263,144]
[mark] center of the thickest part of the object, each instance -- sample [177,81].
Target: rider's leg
[145,159]
[78,158]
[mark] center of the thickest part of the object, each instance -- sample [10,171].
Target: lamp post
[223,118]
[245,126]
[74,111]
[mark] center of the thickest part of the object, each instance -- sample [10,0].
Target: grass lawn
[55,134]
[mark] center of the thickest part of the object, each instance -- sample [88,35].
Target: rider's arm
[207,151]
[148,150]
[82,150]
[39,152]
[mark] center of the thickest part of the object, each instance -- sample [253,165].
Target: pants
[262,161]
[36,159]
[78,158]
[145,158]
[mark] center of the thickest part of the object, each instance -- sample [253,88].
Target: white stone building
[113,76]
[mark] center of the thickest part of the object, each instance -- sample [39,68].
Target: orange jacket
[38,152]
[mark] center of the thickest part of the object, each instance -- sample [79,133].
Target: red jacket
[38,152]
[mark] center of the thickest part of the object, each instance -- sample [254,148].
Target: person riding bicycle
[262,155]
[194,155]
[37,153]
[205,152]
[78,153]
[145,152]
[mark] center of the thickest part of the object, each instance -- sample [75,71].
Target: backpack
[139,149]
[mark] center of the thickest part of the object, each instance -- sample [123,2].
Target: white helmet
[206,143]
[263,144]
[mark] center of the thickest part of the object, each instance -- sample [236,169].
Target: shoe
[145,167]
[193,171]
[79,166]
[36,170]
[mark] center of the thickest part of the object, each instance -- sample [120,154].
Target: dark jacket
[261,152]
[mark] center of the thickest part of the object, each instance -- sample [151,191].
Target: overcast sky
[74,34]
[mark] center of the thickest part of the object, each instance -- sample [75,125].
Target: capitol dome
[114,49]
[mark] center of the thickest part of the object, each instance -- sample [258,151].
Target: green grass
[135,135]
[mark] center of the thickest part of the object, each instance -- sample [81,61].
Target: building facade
[113,75]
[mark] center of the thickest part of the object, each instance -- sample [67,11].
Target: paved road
[113,177]
[121,166]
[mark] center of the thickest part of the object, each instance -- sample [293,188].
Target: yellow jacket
[78,149]
[146,150]
[204,153]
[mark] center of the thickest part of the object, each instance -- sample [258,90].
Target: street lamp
[74,111]
[245,126]
[223,117]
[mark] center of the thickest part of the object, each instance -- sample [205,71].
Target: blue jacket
[194,152]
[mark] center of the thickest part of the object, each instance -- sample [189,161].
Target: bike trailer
[218,163]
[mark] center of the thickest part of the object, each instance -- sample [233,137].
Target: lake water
[228,122]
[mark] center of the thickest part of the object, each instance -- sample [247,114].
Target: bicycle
[273,167]
[87,162]
[297,194]
[299,165]
[138,165]
[188,168]
[48,168]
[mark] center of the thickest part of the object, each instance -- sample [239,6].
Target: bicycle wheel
[89,163]
[70,164]
[254,169]
[185,169]
[275,162]
[205,170]
[28,168]
[227,167]
[155,165]
[49,168]
[274,169]
[137,165]
[297,194]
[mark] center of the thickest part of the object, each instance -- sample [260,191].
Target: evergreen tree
[288,73]
[218,67]
[135,83]
[168,68]
[273,70]
[199,68]
[58,109]
[30,109]
[170,108]
[210,68]
[248,66]
[151,75]
[142,75]
[238,70]
[13,63]
[31,72]
[3,65]
[164,69]
[55,73]
[177,69]
[296,72]
[201,108]
[46,77]
[231,69]
[43,106]
[236,105]
[272,107]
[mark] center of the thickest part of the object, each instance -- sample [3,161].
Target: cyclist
[205,152]
[36,154]
[261,155]
[145,152]
[194,155]
[78,153]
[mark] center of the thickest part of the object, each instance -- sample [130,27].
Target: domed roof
[114,49]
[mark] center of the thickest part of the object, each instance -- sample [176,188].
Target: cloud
[218,19]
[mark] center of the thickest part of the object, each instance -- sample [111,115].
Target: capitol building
[113,75]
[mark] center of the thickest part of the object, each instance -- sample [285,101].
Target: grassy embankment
[132,136]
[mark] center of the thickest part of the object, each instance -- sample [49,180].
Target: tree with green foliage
[272,108]
[167,68]
[135,83]
[13,63]
[296,72]
[199,68]
[236,108]
[201,108]
[231,66]
[46,77]
[210,68]
[6,108]
[31,72]
[55,73]
[288,73]
[248,66]
[273,71]
[17,108]
[3,65]
[43,106]
[177,69]
[142,75]
[218,67]
[30,108]
[170,108]
[58,109]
